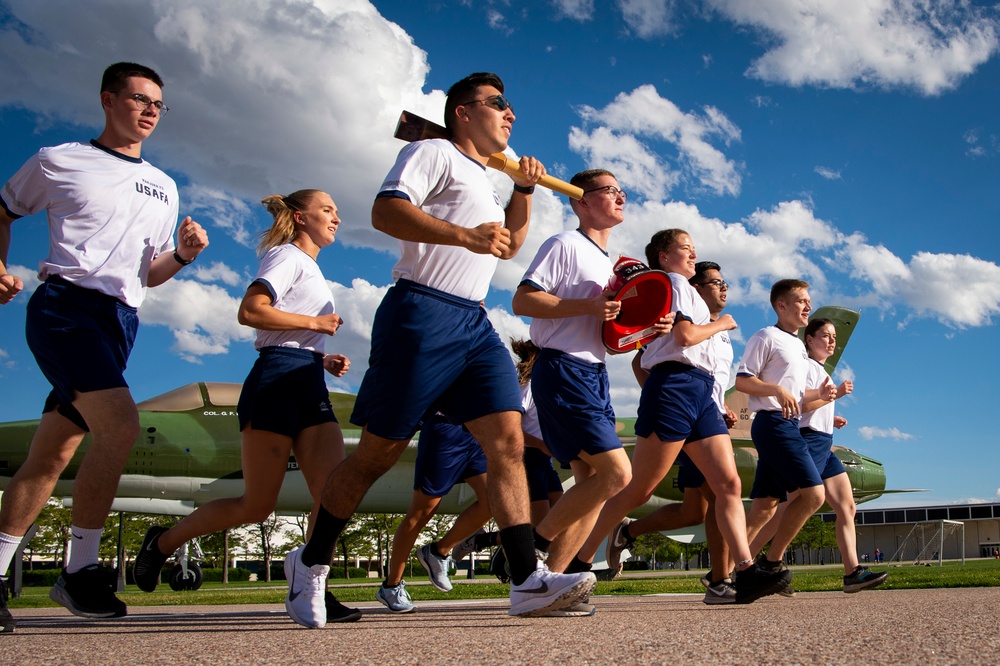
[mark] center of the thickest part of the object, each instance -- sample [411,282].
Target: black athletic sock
[578,566]
[629,539]
[519,546]
[486,540]
[541,543]
[320,548]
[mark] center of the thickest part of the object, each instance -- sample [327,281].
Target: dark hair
[527,353]
[116,75]
[782,287]
[661,242]
[585,178]
[812,328]
[461,91]
[701,268]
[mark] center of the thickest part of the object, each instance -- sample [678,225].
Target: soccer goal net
[927,541]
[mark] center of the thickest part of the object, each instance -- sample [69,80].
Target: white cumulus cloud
[649,18]
[632,134]
[925,45]
[869,432]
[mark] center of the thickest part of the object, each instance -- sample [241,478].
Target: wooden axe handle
[412,127]
[501,162]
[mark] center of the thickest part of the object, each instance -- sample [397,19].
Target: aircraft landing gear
[186,574]
[181,580]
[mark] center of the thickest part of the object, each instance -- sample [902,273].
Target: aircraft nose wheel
[192,581]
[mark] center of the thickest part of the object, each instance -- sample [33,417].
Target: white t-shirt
[297,285]
[445,183]
[109,215]
[775,357]
[687,305]
[820,419]
[723,350]
[570,265]
[529,422]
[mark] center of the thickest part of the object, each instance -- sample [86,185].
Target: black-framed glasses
[498,102]
[721,284]
[143,102]
[610,189]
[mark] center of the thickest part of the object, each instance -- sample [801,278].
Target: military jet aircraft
[188,453]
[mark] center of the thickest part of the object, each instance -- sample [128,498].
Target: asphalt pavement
[937,626]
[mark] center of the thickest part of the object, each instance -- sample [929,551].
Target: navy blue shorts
[431,352]
[573,399]
[446,454]
[285,392]
[784,463]
[542,476]
[81,340]
[821,450]
[676,403]
[689,476]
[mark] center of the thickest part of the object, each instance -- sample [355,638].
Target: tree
[53,534]
[814,534]
[655,547]
[263,535]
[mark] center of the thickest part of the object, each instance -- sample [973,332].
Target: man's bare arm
[400,219]
[10,285]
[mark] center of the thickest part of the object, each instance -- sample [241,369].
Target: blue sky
[854,147]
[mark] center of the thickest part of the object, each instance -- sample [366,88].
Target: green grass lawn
[975,573]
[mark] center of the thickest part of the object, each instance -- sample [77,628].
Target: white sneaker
[306,600]
[582,609]
[545,591]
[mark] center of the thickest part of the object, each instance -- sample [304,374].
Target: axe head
[412,127]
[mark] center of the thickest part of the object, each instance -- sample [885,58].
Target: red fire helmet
[646,295]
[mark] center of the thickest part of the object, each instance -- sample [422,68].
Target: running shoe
[863,579]
[617,545]
[467,545]
[787,591]
[545,591]
[437,567]
[306,600]
[706,581]
[720,593]
[498,566]
[608,574]
[90,592]
[396,599]
[6,619]
[338,612]
[754,582]
[149,560]
[582,609]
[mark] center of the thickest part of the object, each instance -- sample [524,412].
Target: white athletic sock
[85,548]
[8,546]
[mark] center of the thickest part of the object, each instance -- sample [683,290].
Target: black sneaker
[498,566]
[6,619]
[768,566]
[149,560]
[863,579]
[338,612]
[88,593]
[754,582]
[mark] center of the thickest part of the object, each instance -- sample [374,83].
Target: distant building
[886,529]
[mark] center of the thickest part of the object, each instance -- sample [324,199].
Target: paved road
[940,626]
